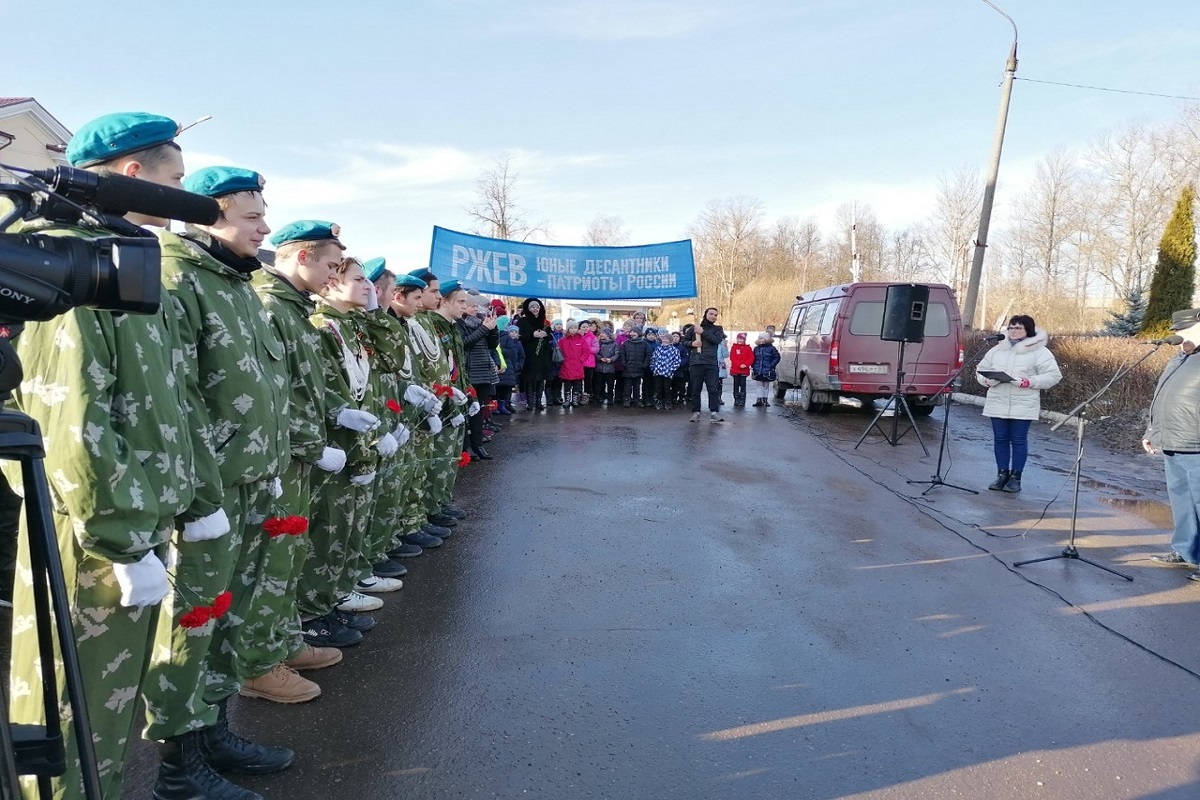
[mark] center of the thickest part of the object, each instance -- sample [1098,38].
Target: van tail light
[833,357]
[960,357]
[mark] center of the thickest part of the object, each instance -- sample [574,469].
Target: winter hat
[741,337]
[498,304]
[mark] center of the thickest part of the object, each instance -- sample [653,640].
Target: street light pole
[989,191]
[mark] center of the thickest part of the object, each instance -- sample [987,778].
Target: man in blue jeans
[703,342]
[1174,431]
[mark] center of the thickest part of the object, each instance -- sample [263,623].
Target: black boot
[1002,478]
[1014,483]
[185,775]
[225,751]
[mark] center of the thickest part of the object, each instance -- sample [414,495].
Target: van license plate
[878,369]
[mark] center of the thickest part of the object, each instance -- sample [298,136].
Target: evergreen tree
[1175,274]
[1129,321]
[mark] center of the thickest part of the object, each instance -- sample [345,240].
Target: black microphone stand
[942,393]
[1079,412]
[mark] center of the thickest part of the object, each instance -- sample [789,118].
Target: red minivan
[832,351]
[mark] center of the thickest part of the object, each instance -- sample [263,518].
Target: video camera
[42,276]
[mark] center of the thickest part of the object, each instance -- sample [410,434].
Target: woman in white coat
[1014,405]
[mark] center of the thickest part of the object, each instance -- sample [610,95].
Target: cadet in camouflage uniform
[108,391]
[341,501]
[306,255]
[438,455]
[397,366]
[238,401]
[450,447]
[410,299]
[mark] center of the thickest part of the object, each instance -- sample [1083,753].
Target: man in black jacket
[703,342]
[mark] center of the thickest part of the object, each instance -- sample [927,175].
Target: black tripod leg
[1072,554]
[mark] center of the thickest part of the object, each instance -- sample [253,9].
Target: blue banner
[498,266]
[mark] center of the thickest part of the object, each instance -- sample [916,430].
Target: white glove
[355,420]
[434,405]
[276,488]
[372,296]
[435,423]
[460,397]
[214,526]
[402,434]
[456,420]
[362,480]
[473,409]
[332,460]
[418,395]
[387,445]
[144,583]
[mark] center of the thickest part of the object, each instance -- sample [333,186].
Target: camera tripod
[943,394]
[39,750]
[896,402]
[1070,552]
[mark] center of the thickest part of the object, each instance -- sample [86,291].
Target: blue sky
[381,115]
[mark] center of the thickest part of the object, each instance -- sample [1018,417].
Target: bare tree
[1047,220]
[727,240]
[869,236]
[495,211]
[949,238]
[606,231]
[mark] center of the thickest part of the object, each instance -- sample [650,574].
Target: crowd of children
[634,365]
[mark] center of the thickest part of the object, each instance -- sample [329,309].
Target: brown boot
[281,685]
[315,658]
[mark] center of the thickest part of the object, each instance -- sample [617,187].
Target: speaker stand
[897,403]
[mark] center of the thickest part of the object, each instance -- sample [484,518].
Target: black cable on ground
[827,442]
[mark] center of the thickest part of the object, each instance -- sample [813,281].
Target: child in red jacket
[741,357]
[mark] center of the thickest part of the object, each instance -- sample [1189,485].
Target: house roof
[20,105]
[12,101]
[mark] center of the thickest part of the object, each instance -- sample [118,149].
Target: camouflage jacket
[108,390]
[394,355]
[288,310]
[237,379]
[346,364]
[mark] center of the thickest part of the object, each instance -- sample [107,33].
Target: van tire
[806,398]
[921,411]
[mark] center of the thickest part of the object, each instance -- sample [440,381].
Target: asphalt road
[641,607]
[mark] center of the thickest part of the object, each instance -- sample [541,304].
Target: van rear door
[868,363]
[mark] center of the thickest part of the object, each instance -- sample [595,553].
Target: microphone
[120,195]
[995,337]
[1168,340]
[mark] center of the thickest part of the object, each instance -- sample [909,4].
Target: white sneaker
[715,417]
[377,585]
[357,601]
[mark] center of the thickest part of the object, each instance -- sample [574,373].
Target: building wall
[29,147]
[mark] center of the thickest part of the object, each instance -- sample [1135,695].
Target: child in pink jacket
[571,371]
[589,359]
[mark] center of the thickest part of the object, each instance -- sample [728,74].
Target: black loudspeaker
[904,313]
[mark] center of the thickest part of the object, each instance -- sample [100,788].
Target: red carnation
[464,459]
[471,392]
[297,525]
[221,604]
[276,526]
[196,617]
[394,406]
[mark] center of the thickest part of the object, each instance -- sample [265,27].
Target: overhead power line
[1106,89]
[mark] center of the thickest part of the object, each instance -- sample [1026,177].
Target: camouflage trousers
[194,668]
[270,631]
[412,510]
[114,646]
[390,485]
[337,526]
[443,467]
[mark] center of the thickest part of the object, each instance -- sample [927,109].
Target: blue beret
[308,230]
[220,181]
[112,135]
[423,274]
[410,280]
[374,268]
[450,287]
